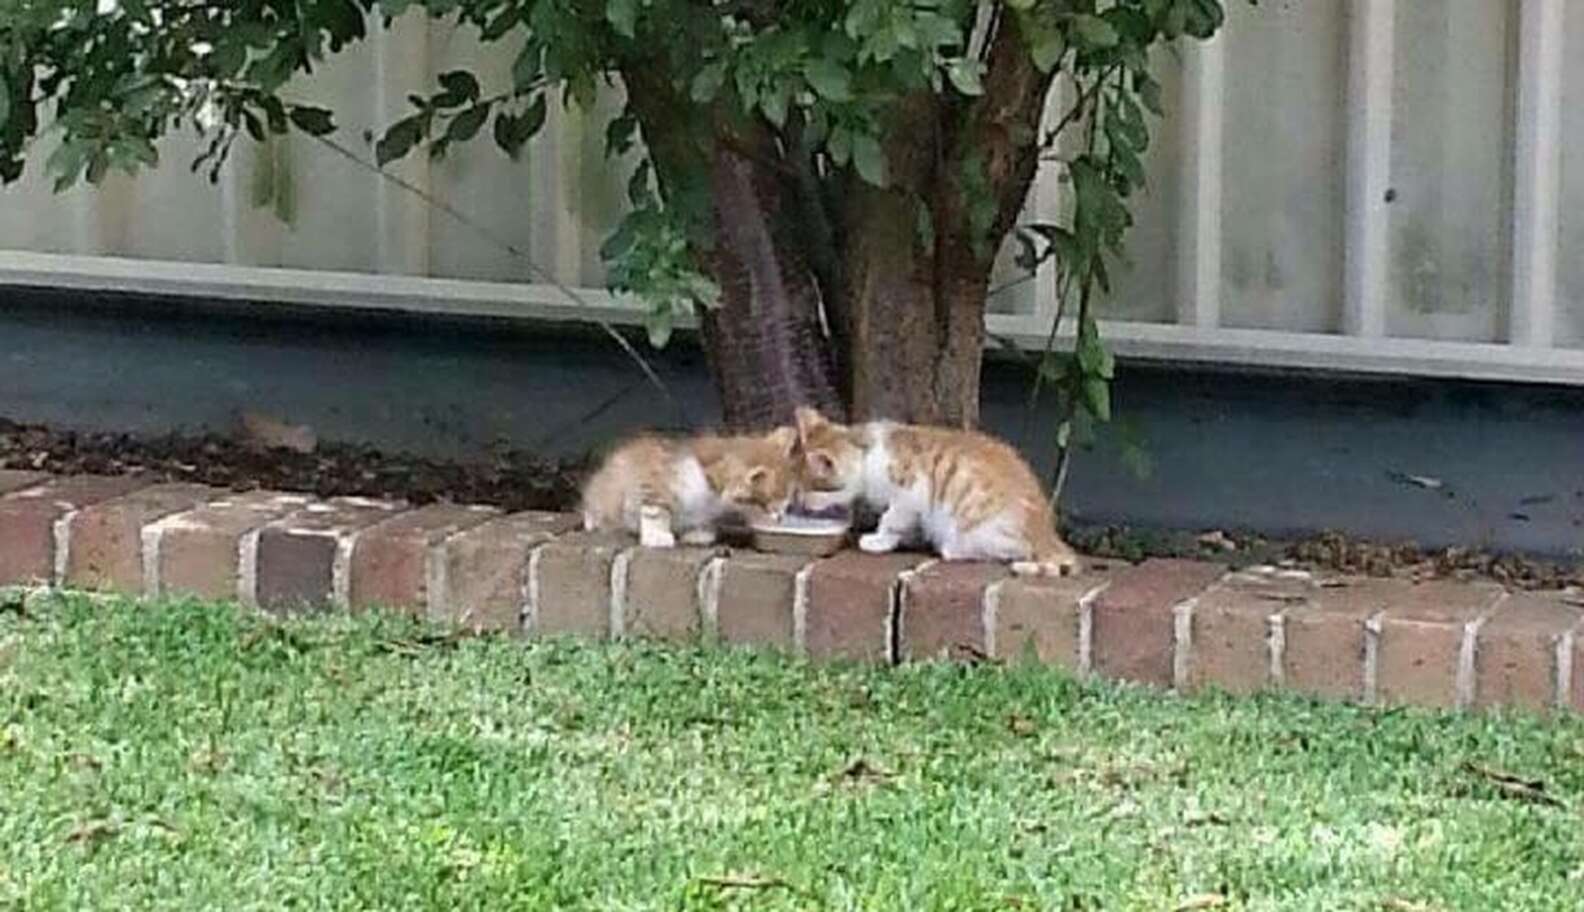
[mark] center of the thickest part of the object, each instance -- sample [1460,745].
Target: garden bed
[517,480]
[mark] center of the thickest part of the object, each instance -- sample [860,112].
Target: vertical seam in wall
[1468,653]
[151,539]
[896,619]
[800,595]
[247,566]
[618,593]
[1372,635]
[341,568]
[1276,644]
[1564,668]
[61,531]
[1182,642]
[1086,628]
[436,600]
[709,582]
[990,610]
[528,606]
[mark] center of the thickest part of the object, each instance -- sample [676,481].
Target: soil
[516,480]
[510,479]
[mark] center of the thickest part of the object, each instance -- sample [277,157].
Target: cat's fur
[968,495]
[663,489]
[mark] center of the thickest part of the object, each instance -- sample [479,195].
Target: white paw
[698,537]
[654,538]
[878,543]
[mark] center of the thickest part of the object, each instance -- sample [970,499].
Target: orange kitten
[970,496]
[663,488]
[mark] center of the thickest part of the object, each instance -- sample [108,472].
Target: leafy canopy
[113,76]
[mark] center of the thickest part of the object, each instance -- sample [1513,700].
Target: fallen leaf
[1515,787]
[93,832]
[1021,725]
[1403,905]
[1427,482]
[862,770]
[1204,901]
[744,882]
[270,433]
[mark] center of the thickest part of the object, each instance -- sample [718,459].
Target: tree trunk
[767,346]
[897,330]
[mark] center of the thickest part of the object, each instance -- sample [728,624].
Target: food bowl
[808,536]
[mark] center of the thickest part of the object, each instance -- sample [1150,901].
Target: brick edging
[1184,625]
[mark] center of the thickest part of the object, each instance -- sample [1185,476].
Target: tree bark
[766,344]
[768,348]
[905,333]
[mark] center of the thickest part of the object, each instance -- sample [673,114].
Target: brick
[1134,620]
[392,562]
[1325,639]
[849,611]
[28,520]
[198,553]
[303,561]
[942,611]
[1515,657]
[1421,641]
[106,539]
[485,582]
[16,480]
[1230,644]
[757,604]
[1576,688]
[661,596]
[1041,617]
[570,590]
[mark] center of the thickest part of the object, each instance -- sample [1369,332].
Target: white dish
[802,535]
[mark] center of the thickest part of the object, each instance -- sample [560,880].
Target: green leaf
[313,121]
[774,104]
[659,322]
[465,126]
[623,16]
[1149,92]
[829,79]
[1046,46]
[966,75]
[399,139]
[925,227]
[869,159]
[460,88]
[707,83]
[533,118]
[1095,32]
[840,145]
[1097,397]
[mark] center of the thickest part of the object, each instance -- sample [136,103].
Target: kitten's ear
[756,477]
[784,439]
[808,419]
[824,465]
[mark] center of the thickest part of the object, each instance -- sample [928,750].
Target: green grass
[188,756]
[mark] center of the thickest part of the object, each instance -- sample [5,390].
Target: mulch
[517,480]
[510,479]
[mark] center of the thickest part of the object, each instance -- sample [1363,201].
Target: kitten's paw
[701,538]
[878,543]
[655,538]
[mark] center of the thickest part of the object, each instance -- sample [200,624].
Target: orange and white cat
[664,489]
[970,496]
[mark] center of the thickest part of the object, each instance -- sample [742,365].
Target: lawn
[188,756]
